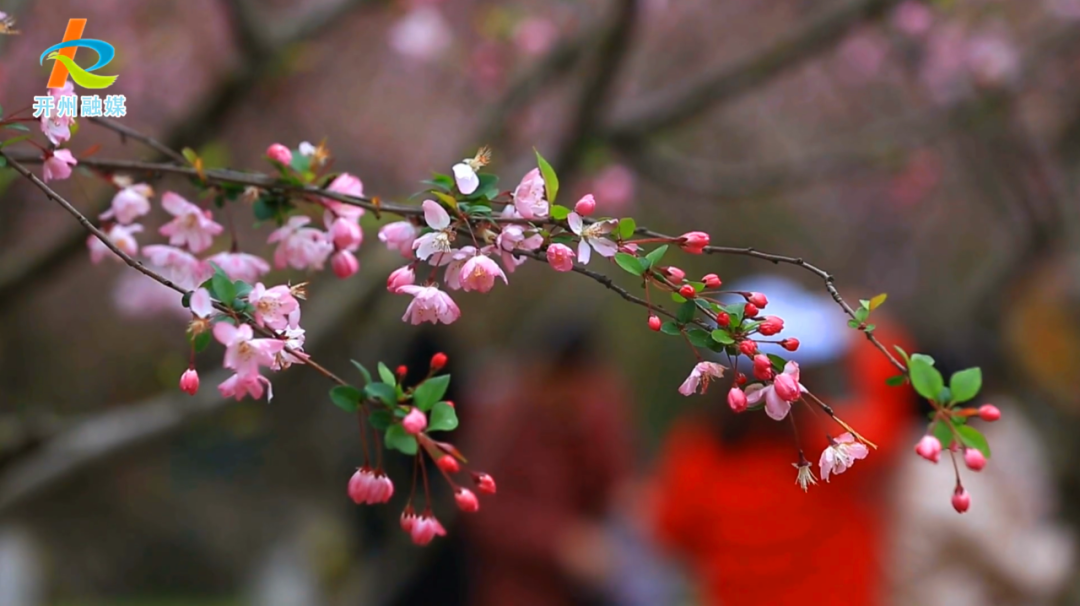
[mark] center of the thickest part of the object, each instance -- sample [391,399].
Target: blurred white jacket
[1006,550]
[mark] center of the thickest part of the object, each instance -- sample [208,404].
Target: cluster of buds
[950,427]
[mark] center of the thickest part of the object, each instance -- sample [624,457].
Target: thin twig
[130,133]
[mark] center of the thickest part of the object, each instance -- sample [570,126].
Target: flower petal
[435,215]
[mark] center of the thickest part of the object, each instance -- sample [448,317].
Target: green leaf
[381,419]
[777,362]
[972,438]
[201,341]
[627,227]
[943,433]
[431,391]
[903,354]
[670,328]
[18,127]
[924,357]
[896,381]
[861,314]
[346,397]
[262,209]
[965,384]
[877,301]
[381,391]
[190,155]
[559,212]
[3,162]
[242,288]
[925,378]
[676,297]
[699,338]
[386,376]
[655,256]
[443,418]
[722,337]
[440,180]
[363,371]
[686,312]
[551,181]
[14,140]
[629,262]
[223,288]
[398,439]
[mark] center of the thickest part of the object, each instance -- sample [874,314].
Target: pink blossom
[293,352]
[240,385]
[300,247]
[437,240]
[360,485]
[57,167]
[414,422]
[466,500]
[178,265]
[863,54]
[58,128]
[778,395]
[241,266]
[535,35]
[399,236]
[425,528]
[465,177]
[993,59]
[189,382]
[700,376]
[913,18]
[382,488]
[736,399]
[122,236]
[347,185]
[615,186]
[585,206]
[344,263]
[479,273]
[929,448]
[841,455]
[560,257]
[593,237]
[422,34]
[274,307]
[513,237]
[530,197]
[402,276]
[192,226]
[429,304]
[243,353]
[200,303]
[279,153]
[129,204]
[454,261]
[346,234]
[694,242]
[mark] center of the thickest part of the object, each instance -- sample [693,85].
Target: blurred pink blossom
[993,59]
[137,296]
[535,35]
[613,187]
[422,34]
[862,55]
[913,18]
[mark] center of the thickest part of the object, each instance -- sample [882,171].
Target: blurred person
[553,431]
[725,488]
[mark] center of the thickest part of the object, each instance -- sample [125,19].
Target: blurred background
[927,150]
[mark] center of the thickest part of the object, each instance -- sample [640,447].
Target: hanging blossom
[437,240]
[804,476]
[57,166]
[241,266]
[57,128]
[123,236]
[593,237]
[784,389]
[529,196]
[700,376]
[244,355]
[454,262]
[192,226]
[479,273]
[429,304]
[399,236]
[130,203]
[275,307]
[343,220]
[840,455]
[293,352]
[178,265]
[300,247]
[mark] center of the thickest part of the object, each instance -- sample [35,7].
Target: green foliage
[686,312]
[942,430]
[551,181]
[386,375]
[699,338]
[559,212]
[896,381]
[965,384]
[972,438]
[431,391]
[363,371]
[443,418]
[627,226]
[398,439]
[925,378]
[722,337]
[382,392]
[346,397]
[381,419]
[629,262]
[670,328]
[778,363]
[655,256]
[201,341]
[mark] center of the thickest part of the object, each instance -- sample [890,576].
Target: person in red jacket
[726,498]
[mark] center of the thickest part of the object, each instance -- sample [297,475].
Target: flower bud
[344,264]
[401,371]
[711,281]
[694,242]
[484,483]
[279,153]
[586,205]
[748,347]
[675,273]
[961,500]
[654,323]
[771,326]
[786,387]
[736,399]
[448,464]
[750,310]
[360,485]
[189,382]
[466,500]
[790,344]
[560,257]
[763,367]
[723,319]
[740,379]
[414,422]
[449,403]
[438,361]
[989,412]
[346,234]
[402,276]
[974,459]
[929,448]
[687,291]
[759,300]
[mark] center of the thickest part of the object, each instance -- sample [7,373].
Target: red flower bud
[654,323]
[449,403]
[790,344]
[484,483]
[675,273]
[448,464]
[929,448]
[989,412]
[771,326]
[401,371]
[961,500]
[736,399]
[687,291]
[694,242]
[757,299]
[466,500]
[189,382]
[438,361]
[748,347]
[740,379]
[974,459]
[723,319]
[750,310]
[711,281]
[763,367]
